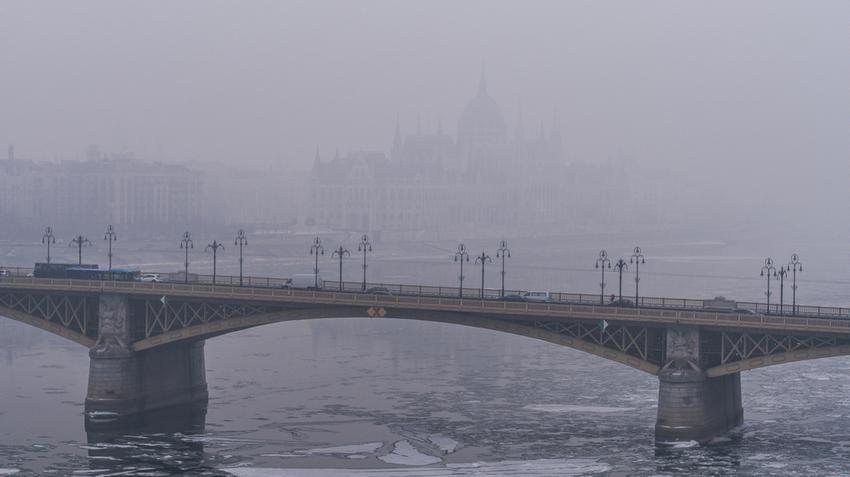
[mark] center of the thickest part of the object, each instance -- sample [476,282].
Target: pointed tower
[482,82]
[519,133]
[556,145]
[395,153]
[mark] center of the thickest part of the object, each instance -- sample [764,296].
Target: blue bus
[76,271]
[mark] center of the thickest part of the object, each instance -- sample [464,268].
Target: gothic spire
[556,125]
[520,128]
[397,138]
[482,82]
[398,143]
[557,145]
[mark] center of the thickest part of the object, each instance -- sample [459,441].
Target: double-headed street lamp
[79,241]
[796,266]
[340,253]
[768,269]
[48,239]
[503,252]
[460,256]
[483,258]
[316,249]
[186,243]
[782,272]
[110,236]
[364,246]
[638,259]
[602,262]
[214,246]
[619,267]
[241,240]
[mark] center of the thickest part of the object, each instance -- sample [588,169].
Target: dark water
[366,396]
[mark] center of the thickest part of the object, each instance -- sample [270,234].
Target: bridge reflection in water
[146,340]
[166,440]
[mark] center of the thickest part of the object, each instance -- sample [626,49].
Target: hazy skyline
[743,92]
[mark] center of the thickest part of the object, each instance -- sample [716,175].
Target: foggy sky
[756,91]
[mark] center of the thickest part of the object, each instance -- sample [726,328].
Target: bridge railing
[488,293]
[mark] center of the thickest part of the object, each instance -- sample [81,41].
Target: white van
[304,280]
[537,296]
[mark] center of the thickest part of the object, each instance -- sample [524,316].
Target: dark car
[512,298]
[378,291]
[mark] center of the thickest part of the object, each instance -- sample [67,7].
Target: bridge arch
[777,359]
[217,328]
[49,326]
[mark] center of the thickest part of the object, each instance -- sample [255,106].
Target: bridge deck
[658,316]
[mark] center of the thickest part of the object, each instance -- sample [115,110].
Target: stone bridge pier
[124,383]
[691,405]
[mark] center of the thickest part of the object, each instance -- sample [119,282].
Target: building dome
[482,123]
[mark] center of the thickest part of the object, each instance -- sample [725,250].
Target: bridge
[146,340]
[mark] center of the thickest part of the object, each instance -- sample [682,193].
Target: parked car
[378,291]
[542,296]
[5,273]
[150,277]
[512,298]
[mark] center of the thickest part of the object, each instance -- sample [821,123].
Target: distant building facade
[484,180]
[118,190]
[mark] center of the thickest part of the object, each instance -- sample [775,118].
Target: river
[360,396]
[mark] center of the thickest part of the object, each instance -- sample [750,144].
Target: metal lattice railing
[810,311]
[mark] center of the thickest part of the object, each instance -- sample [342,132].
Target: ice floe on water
[510,468]
[576,409]
[405,454]
[679,444]
[816,376]
[9,471]
[445,443]
[347,449]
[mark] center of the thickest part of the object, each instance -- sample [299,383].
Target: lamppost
[79,241]
[796,266]
[460,256]
[186,244]
[619,267]
[340,252]
[364,246]
[771,270]
[782,272]
[214,246]
[638,259]
[503,252]
[48,238]
[110,236]
[241,240]
[602,262]
[317,249]
[483,258]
